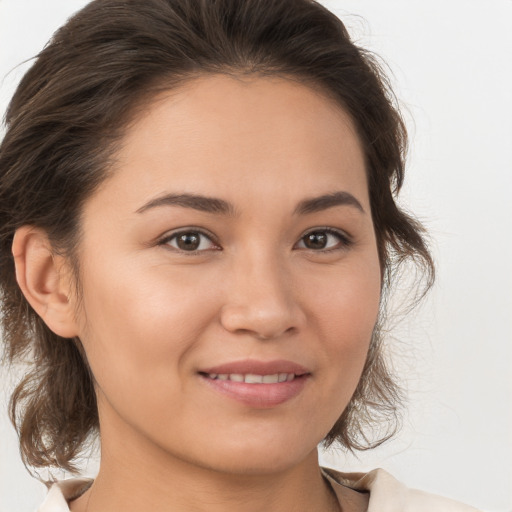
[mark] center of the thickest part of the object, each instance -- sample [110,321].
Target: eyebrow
[317,204]
[222,207]
[194,201]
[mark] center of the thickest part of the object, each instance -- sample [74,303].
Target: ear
[45,280]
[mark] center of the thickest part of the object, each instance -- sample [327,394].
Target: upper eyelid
[329,229]
[209,234]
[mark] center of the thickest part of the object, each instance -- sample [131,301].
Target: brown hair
[62,127]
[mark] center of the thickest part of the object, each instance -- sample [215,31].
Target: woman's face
[230,276]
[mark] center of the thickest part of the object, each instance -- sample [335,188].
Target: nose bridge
[260,296]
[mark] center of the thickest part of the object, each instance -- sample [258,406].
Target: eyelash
[200,232]
[345,241]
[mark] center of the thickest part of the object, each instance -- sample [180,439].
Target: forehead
[242,136]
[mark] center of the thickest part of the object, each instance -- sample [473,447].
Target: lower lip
[259,396]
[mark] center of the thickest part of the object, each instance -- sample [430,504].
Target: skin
[152,315]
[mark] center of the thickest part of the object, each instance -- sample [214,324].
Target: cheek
[346,316]
[349,304]
[137,327]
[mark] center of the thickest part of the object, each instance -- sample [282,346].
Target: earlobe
[42,277]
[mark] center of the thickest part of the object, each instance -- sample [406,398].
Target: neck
[206,491]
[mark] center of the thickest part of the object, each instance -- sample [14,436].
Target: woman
[198,233]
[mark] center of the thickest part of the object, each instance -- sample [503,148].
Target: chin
[251,458]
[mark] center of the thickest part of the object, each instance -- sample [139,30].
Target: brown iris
[315,240]
[188,241]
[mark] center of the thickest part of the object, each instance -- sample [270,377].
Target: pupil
[316,240]
[188,241]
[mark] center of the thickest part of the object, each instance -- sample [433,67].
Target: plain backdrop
[451,65]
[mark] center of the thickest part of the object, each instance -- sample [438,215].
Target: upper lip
[256,367]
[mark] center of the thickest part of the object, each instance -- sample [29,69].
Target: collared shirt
[386,493]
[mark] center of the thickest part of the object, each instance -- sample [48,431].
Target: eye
[190,241]
[324,239]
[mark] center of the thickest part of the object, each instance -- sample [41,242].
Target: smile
[257,384]
[251,378]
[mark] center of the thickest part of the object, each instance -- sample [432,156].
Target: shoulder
[387,494]
[62,492]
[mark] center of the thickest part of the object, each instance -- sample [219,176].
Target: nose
[261,301]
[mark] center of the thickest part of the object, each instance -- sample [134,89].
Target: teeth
[251,378]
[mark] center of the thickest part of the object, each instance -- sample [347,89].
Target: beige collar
[386,493]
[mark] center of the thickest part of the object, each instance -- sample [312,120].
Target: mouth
[257,384]
[252,378]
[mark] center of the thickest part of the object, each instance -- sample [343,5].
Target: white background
[451,61]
